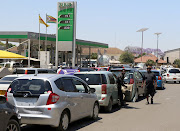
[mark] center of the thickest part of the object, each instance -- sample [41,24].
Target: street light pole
[157,46]
[142,30]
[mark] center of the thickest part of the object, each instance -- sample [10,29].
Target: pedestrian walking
[150,84]
[120,83]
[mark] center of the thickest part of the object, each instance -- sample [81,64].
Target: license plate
[26,101]
[2,92]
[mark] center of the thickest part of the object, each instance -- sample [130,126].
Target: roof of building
[110,50]
[148,57]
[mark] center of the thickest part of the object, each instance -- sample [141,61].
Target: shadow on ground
[72,127]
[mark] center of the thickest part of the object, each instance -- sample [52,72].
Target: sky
[114,22]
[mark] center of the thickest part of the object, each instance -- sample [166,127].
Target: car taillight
[167,75]
[26,71]
[131,81]
[78,70]
[6,96]
[53,98]
[59,71]
[159,77]
[104,89]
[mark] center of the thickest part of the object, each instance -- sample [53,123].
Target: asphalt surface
[163,115]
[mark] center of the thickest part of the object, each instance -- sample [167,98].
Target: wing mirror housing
[92,90]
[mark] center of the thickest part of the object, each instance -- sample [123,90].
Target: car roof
[15,75]
[44,76]
[122,69]
[93,72]
[33,69]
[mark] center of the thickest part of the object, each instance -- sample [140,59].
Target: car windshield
[5,82]
[8,78]
[34,86]
[174,71]
[93,79]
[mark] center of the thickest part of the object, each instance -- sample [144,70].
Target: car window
[80,87]
[8,78]
[22,71]
[34,86]
[93,79]
[59,84]
[156,73]
[174,71]
[111,79]
[68,85]
[46,72]
[136,75]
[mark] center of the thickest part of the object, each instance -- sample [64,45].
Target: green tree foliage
[150,63]
[177,63]
[4,45]
[126,57]
[94,56]
[140,55]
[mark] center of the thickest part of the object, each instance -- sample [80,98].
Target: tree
[4,45]
[150,63]
[94,56]
[126,57]
[177,63]
[142,55]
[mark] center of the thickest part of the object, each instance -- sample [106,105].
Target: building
[172,55]
[112,52]
[147,57]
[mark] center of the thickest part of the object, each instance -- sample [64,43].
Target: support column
[43,46]
[51,56]
[77,55]
[80,56]
[20,47]
[7,44]
[89,55]
[32,48]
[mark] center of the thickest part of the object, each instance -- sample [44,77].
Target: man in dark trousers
[120,83]
[150,83]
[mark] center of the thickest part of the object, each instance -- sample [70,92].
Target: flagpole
[39,40]
[46,41]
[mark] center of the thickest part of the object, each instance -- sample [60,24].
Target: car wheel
[95,111]
[13,125]
[109,107]
[64,122]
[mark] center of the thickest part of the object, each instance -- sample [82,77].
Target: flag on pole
[42,21]
[50,19]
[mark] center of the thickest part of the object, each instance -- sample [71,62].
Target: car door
[73,98]
[138,82]
[113,87]
[86,98]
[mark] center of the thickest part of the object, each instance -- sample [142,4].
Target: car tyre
[109,107]
[95,111]
[13,125]
[64,122]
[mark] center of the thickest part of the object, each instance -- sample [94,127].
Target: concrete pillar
[32,48]
[7,44]
[20,47]
[43,46]
[80,57]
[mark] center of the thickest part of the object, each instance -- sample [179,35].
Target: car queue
[45,98]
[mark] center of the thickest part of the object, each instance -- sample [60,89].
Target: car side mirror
[2,99]
[92,90]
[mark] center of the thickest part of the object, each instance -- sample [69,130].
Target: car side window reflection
[80,87]
[68,85]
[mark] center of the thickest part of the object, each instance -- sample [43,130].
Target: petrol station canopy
[20,36]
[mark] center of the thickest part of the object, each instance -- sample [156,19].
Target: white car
[172,75]
[5,82]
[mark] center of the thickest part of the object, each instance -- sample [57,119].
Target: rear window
[156,73]
[34,86]
[8,78]
[21,71]
[174,71]
[93,79]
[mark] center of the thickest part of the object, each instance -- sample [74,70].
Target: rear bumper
[48,117]
[172,79]
[104,100]
[159,83]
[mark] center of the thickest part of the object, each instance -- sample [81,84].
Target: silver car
[106,88]
[55,100]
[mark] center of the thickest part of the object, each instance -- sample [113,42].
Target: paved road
[163,115]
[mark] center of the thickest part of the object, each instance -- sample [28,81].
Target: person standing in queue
[150,84]
[120,83]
